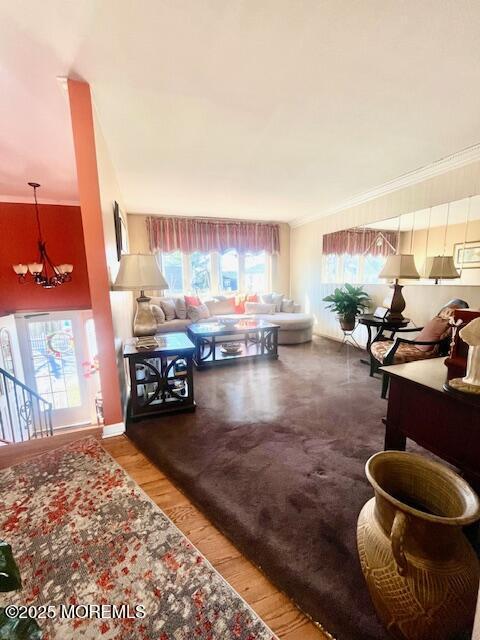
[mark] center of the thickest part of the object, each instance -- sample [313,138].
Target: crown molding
[448,163]
[29,200]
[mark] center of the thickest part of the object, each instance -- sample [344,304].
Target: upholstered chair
[432,341]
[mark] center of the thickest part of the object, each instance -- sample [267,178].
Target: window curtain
[361,242]
[197,234]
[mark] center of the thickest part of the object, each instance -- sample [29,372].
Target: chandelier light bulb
[20,269]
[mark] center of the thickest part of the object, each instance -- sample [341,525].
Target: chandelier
[43,272]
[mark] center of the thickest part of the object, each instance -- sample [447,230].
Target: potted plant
[13,627]
[347,303]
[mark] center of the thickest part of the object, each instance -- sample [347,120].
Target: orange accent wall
[63,233]
[89,192]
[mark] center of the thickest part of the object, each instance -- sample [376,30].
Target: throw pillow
[252,297]
[239,304]
[288,306]
[277,301]
[267,298]
[168,308]
[221,307]
[436,329]
[192,301]
[181,308]
[157,313]
[259,307]
[198,312]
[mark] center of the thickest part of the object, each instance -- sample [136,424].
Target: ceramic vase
[420,569]
[473,366]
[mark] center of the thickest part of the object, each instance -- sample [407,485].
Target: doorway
[54,352]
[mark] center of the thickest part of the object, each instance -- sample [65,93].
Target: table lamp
[139,271]
[440,268]
[399,266]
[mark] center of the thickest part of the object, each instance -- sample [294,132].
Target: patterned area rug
[84,533]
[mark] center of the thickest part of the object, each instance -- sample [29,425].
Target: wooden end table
[161,378]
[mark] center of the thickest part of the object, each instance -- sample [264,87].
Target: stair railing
[26,415]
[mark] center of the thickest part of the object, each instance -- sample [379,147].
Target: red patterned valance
[197,234]
[361,241]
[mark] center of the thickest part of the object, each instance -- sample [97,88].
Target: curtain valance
[197,234]
[361,241]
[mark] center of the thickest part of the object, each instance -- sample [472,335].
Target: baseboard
[110,430]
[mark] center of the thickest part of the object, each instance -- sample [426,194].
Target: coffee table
[258,340]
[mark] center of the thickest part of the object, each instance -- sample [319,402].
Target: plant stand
[348,338]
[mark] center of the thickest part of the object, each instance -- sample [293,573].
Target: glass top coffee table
[228,341]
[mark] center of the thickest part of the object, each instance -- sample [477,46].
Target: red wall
[63,233]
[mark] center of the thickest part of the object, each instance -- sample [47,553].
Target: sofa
[295,326]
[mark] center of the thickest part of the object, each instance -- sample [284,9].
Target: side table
[380,325]
[161,378]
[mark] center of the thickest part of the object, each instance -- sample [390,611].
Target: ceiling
[268,109]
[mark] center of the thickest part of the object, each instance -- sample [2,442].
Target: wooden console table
[447,424]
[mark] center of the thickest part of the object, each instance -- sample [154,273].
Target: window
[355,269]
[214,273]
[54,363]
[351,267]
[330,267]
[256,277]
[6,360]
[229,273]
[371,268]
[201,272]
[6,350]
[172,269]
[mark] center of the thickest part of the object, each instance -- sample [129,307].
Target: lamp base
[144,323]
[396,304]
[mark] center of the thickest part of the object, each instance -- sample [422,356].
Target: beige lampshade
[139,271]
[440,267]
[399,266]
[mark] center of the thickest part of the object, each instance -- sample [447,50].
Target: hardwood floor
[275,608]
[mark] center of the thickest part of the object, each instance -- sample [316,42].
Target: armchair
[432,341]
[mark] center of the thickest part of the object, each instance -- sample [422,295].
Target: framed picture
[121,234]
[467,255]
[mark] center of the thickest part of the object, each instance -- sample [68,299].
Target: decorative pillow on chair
[436,329]
[192,301]
[259,307]
[168,308]
[198,312]
[157,313]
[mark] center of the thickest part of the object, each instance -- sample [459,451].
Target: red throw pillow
[436,329]
[192,301]
[239,304]
[252,297]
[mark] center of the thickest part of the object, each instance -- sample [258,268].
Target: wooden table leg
[394,439]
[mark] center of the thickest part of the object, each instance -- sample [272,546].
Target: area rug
[83,533]
[274,455]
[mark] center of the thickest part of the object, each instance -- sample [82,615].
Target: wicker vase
[420,569]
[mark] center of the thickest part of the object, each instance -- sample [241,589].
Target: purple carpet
[274,456]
